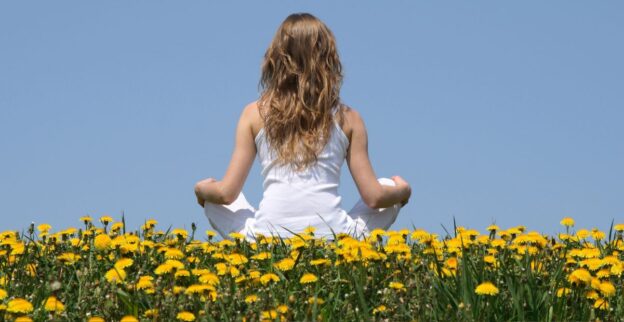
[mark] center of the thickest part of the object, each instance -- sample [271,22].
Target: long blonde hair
[301,80]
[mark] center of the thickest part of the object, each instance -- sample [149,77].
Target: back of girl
[302,134]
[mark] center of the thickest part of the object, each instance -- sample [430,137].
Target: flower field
[103,272]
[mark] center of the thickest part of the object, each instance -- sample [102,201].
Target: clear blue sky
[494,111]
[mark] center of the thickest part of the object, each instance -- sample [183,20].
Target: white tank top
[297,200]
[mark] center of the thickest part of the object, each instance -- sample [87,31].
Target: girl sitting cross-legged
[302,134]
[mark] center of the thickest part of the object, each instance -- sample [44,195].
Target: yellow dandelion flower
[269,277]
[492,228]
[317,300]
[601,304]
[182,273]
[582,234]
[486,288]
[69,258]
[173,253]
[262,256]
[237,236]
[597,234]
[272,314]
[102,242]
[309,230]
[251,298]
[23,319]
[116,226]
[285,264]
[209,278]
[563,291]
[115,275]
[210,234]
[381,308]
[607,289]
[236,259]
[123,263]
[282,308]
[580,275]
[44,228]
[150,313]
[106,219]
[53,304]
[129,318]
[96,319]
[19,305]
[322,261]
[397,286]
[145,282]
[308,278]
[619,227]
[180,233]
[567,221]
[185,316]
[3,294]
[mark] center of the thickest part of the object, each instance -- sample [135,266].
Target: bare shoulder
[251,115]
[350,120]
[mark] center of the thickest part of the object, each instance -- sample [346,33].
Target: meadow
[104,272]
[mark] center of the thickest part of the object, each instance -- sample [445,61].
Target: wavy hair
[300,81]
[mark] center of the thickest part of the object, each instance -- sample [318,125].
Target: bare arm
[228,189]
[374,194]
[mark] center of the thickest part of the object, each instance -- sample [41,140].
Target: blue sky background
[506,112]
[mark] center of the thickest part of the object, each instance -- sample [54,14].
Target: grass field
[106,272]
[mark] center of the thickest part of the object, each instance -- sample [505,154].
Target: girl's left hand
[198,185]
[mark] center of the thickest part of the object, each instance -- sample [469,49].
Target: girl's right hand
[405,188]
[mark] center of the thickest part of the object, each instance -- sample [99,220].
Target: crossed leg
[234,217]
[226,219]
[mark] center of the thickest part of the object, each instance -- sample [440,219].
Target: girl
[302,134]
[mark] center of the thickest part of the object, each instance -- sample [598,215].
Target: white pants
[234,217]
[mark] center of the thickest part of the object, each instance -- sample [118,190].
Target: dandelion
[96,319]
[44,228]
[3,294]
[317,262]
[580,275]
[486,288]
[52,304]
[102,242]
[397,286]
[285,264]
[19,305]
[272,314]
[601,304]
[210,234]
[23,319]
[567,221]
[185,316]
[308,278]
[145,282]
[123,263]
[262,256]
[251,298]
[115,276]
[151,313]
[607,289]
[129,318]
[269,277]
[282,309]
[381,308]
[237,236]
[106,219]
[317,300]
[563,291]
